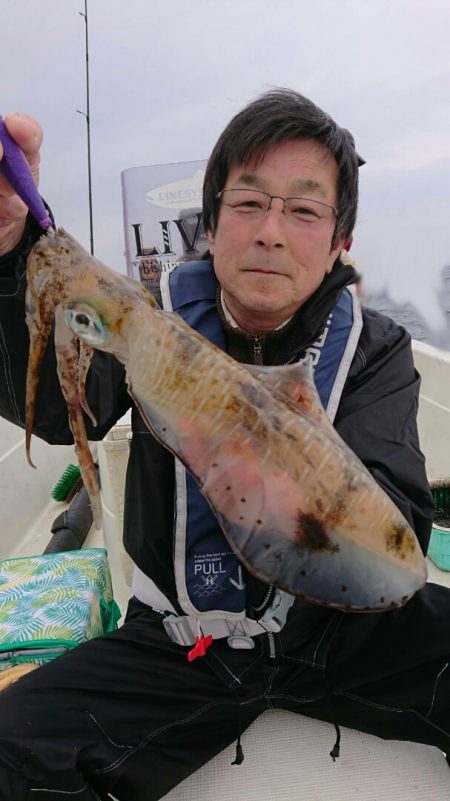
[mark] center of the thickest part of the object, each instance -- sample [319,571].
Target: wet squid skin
[295,503]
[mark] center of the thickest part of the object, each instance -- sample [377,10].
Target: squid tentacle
[67,358]
[84,361]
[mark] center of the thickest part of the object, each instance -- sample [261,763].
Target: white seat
[286,758]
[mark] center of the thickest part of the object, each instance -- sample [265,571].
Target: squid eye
[86,324]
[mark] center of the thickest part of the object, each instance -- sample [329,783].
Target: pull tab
[257,350]
[334,753]
[200,647]
[239,758]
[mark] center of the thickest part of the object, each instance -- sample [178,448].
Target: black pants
[127,714]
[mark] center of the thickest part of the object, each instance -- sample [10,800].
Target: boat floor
[287,759]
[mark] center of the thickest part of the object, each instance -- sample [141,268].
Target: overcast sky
[167,75]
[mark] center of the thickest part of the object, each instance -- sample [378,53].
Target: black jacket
[376,415]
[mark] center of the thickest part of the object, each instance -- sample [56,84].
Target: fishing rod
[86,114]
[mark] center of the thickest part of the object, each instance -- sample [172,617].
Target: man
[128,716]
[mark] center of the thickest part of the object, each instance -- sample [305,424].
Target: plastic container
[439,548]
[113,459]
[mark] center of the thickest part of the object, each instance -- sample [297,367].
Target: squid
[293,500]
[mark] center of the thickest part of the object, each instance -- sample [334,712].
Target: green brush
[440,491]
[68,484]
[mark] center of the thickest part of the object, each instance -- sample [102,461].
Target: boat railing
[434,408]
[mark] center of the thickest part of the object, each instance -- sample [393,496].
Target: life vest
[209,576]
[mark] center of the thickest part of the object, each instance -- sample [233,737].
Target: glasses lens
[305,210]
[246,201]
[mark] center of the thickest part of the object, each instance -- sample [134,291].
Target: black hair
[278,116]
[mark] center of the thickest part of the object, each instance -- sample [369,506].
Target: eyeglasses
[252,204]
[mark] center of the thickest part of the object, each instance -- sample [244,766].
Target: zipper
[31,653]
[272,649]
[257,350]
[267,598]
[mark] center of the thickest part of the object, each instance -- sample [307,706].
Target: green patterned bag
[53,602]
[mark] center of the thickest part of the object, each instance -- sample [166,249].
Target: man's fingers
[26,131]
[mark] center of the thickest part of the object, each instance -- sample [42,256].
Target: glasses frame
[278,197]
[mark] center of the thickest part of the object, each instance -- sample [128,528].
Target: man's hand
[28,134]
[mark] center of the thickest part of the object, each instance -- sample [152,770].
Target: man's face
[270,265]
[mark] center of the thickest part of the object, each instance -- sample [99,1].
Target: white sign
[162,209]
